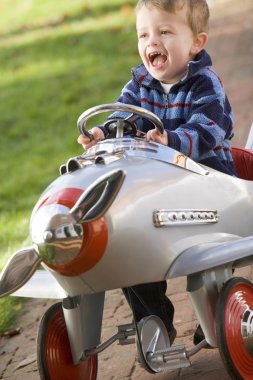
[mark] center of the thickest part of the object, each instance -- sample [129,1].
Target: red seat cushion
[243,159]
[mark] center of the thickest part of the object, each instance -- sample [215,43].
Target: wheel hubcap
[247,330]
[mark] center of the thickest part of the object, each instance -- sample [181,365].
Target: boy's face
[166,42]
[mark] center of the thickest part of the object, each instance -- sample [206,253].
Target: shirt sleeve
[209,122]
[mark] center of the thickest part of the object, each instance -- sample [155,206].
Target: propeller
[98,197]
[18,270]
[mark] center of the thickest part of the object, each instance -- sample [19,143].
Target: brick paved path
[18,354]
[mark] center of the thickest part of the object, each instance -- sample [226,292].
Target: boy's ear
[199,43]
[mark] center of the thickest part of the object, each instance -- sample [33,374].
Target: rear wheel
[234,326]
[53,350]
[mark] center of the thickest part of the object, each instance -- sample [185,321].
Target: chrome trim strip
[182,217]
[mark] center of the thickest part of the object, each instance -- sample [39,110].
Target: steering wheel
[120,125]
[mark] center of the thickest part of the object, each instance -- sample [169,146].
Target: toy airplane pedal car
[87,226]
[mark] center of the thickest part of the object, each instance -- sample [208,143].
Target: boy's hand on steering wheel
[156,136]
[98,135]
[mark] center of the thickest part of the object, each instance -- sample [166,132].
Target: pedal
[153,344]
[169,358]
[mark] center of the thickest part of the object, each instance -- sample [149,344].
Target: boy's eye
[165,32]
[143,35]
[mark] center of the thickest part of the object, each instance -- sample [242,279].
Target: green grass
[9,309]
[57,59]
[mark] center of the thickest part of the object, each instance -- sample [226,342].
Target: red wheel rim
[58,354]
[239,300]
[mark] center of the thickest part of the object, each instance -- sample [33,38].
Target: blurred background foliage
[57,59]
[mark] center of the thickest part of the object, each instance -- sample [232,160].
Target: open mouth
[157,59]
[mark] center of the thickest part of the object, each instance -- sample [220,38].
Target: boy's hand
[98,135]
[157,137]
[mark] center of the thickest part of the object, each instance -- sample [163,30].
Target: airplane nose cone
[56,236]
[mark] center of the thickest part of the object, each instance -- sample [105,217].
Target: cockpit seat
[243,159]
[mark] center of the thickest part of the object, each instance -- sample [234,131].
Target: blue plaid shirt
[196,113]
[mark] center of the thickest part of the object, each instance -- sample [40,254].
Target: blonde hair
[197,11]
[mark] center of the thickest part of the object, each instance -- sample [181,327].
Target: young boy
[176,82]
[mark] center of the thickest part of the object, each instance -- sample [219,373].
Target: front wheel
[53,350]
[234,326]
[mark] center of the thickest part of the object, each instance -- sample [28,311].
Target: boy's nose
[153,40]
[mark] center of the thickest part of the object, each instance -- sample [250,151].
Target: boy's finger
[152,135]
[83,139]
[89,144]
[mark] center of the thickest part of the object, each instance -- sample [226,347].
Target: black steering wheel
[119,127]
